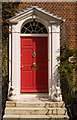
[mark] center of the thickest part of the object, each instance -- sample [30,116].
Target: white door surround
[52,24]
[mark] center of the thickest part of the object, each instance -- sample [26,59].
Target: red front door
[34,64]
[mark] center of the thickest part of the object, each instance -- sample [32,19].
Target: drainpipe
[49,61]
[11,55]
[63,32]
[10,38]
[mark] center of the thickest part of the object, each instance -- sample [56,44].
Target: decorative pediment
[35,11]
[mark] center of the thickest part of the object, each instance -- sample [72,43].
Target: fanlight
[34,27]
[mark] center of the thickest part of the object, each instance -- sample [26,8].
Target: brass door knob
[34,63]
[22,66]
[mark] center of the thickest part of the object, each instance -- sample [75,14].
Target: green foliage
[66,68]
[68,74]
[8,10]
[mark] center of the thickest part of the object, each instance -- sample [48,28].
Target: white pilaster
[55,54]
[55,51]
[15,59]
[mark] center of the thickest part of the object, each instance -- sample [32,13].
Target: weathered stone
[35,109]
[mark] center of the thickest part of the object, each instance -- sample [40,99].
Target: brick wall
[66,10]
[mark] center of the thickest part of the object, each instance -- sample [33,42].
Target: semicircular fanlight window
[33,27]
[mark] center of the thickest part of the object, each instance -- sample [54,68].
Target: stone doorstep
[35,117]
[35,104]
[35,111]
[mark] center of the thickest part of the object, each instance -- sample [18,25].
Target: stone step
[35,111]
[35,104]
[35,117]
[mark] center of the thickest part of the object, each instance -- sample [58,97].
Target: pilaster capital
[56,28]
[50,29]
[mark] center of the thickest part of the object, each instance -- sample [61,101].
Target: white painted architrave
[53,28]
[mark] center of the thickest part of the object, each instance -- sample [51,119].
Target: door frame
[14,53]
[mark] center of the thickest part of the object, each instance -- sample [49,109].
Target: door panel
[34,80]
[27,56]
[27,77]
[27,42]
